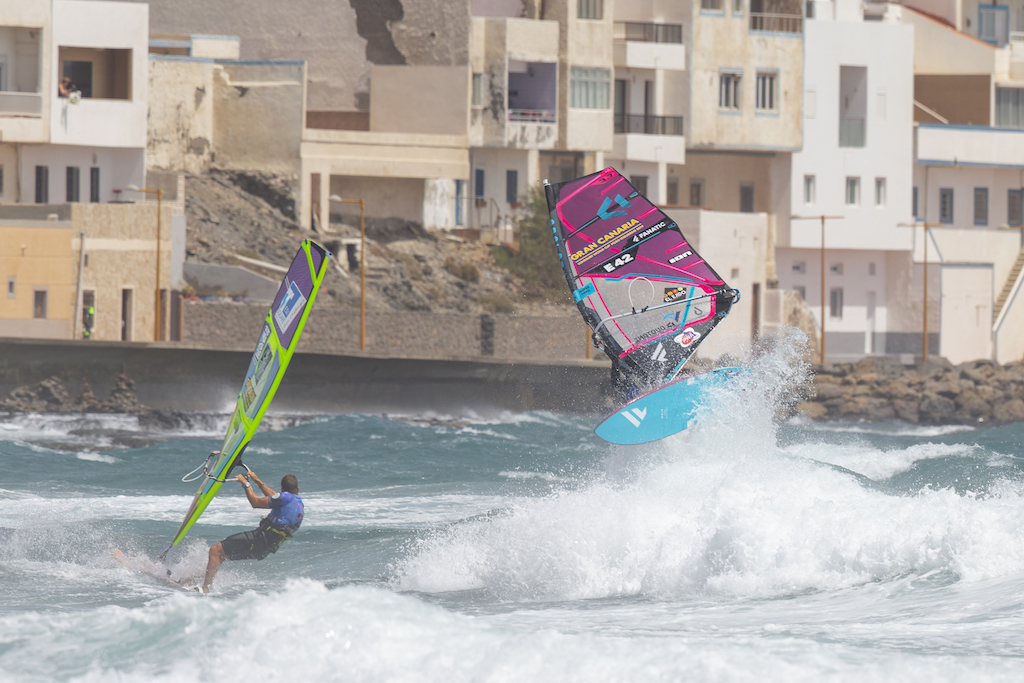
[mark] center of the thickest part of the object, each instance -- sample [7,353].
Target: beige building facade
[60,261]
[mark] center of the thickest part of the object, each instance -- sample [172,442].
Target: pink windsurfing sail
[641,286]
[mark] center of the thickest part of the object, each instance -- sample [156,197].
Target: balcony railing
[642,32]
[21,103]
[532,115]
[648,125]
[776,23]
[851,132]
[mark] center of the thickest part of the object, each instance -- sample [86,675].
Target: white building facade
[59,149]
[855,168]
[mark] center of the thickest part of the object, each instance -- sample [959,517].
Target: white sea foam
[723,511]
[308,632]
[879,464]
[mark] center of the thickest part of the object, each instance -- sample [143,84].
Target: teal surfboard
[663,412]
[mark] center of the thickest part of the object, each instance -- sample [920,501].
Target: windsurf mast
[274,349]
[650,298]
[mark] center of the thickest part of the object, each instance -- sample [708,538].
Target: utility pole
[822,217]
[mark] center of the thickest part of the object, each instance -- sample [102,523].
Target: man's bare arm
[250,495]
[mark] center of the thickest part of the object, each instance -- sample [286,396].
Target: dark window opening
[42,184]
[73,184]
[94,185]
[39,305]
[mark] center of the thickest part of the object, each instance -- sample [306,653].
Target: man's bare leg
[216,557]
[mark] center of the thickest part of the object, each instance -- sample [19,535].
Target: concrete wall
[120,241]
[438,95]
[958,98]
[719,40]
[384,197]
[181,378]
[339,41]
[229,114]
[181,114]
[941,49]
[36,256]
[967,298]
[259,116]
[334,329]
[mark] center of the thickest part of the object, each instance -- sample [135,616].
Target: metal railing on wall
[532,115]
[646,32]
[776,23]
[648,125]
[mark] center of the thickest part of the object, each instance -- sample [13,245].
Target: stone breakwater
[934,393]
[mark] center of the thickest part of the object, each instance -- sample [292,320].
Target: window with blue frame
[981,206]
[1015,207]
[946,205]
[993,24]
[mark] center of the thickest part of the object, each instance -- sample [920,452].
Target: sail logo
[680,257]
[648,232]
[660,355]
[604,213]
[635,416]
[688,337]
[291,305]
[606,240]
[673,293]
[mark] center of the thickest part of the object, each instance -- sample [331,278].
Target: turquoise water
[522,548]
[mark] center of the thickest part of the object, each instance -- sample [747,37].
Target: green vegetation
[464,271]
[537,261]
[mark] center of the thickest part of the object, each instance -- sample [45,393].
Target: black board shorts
[251,545]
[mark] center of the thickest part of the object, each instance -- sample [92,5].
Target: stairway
[1011,279]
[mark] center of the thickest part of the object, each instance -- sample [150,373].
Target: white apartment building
[855,168]
[651,95]
[58,149]
[969,178]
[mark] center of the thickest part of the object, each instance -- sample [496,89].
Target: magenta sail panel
[641,286]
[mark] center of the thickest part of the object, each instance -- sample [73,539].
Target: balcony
[943,145]
[851,132]
[648,125]
[21,103]
[641,32]
[649,138]
[776,23]
[532,116]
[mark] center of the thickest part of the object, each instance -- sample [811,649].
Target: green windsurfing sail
[277,342]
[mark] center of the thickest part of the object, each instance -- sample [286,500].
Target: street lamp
[925,225]
[159,202]
[822,217]
[362,264]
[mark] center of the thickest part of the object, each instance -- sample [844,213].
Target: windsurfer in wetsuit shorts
[284,519]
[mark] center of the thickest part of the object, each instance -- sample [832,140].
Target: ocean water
[522,548]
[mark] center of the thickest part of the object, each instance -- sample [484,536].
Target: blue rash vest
[285,512]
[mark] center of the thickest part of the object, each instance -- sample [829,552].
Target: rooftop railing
[776,23]
[648,125]
[643,32]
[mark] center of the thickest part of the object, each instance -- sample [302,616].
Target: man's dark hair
[290,483]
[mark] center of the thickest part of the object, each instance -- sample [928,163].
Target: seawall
[188,377]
